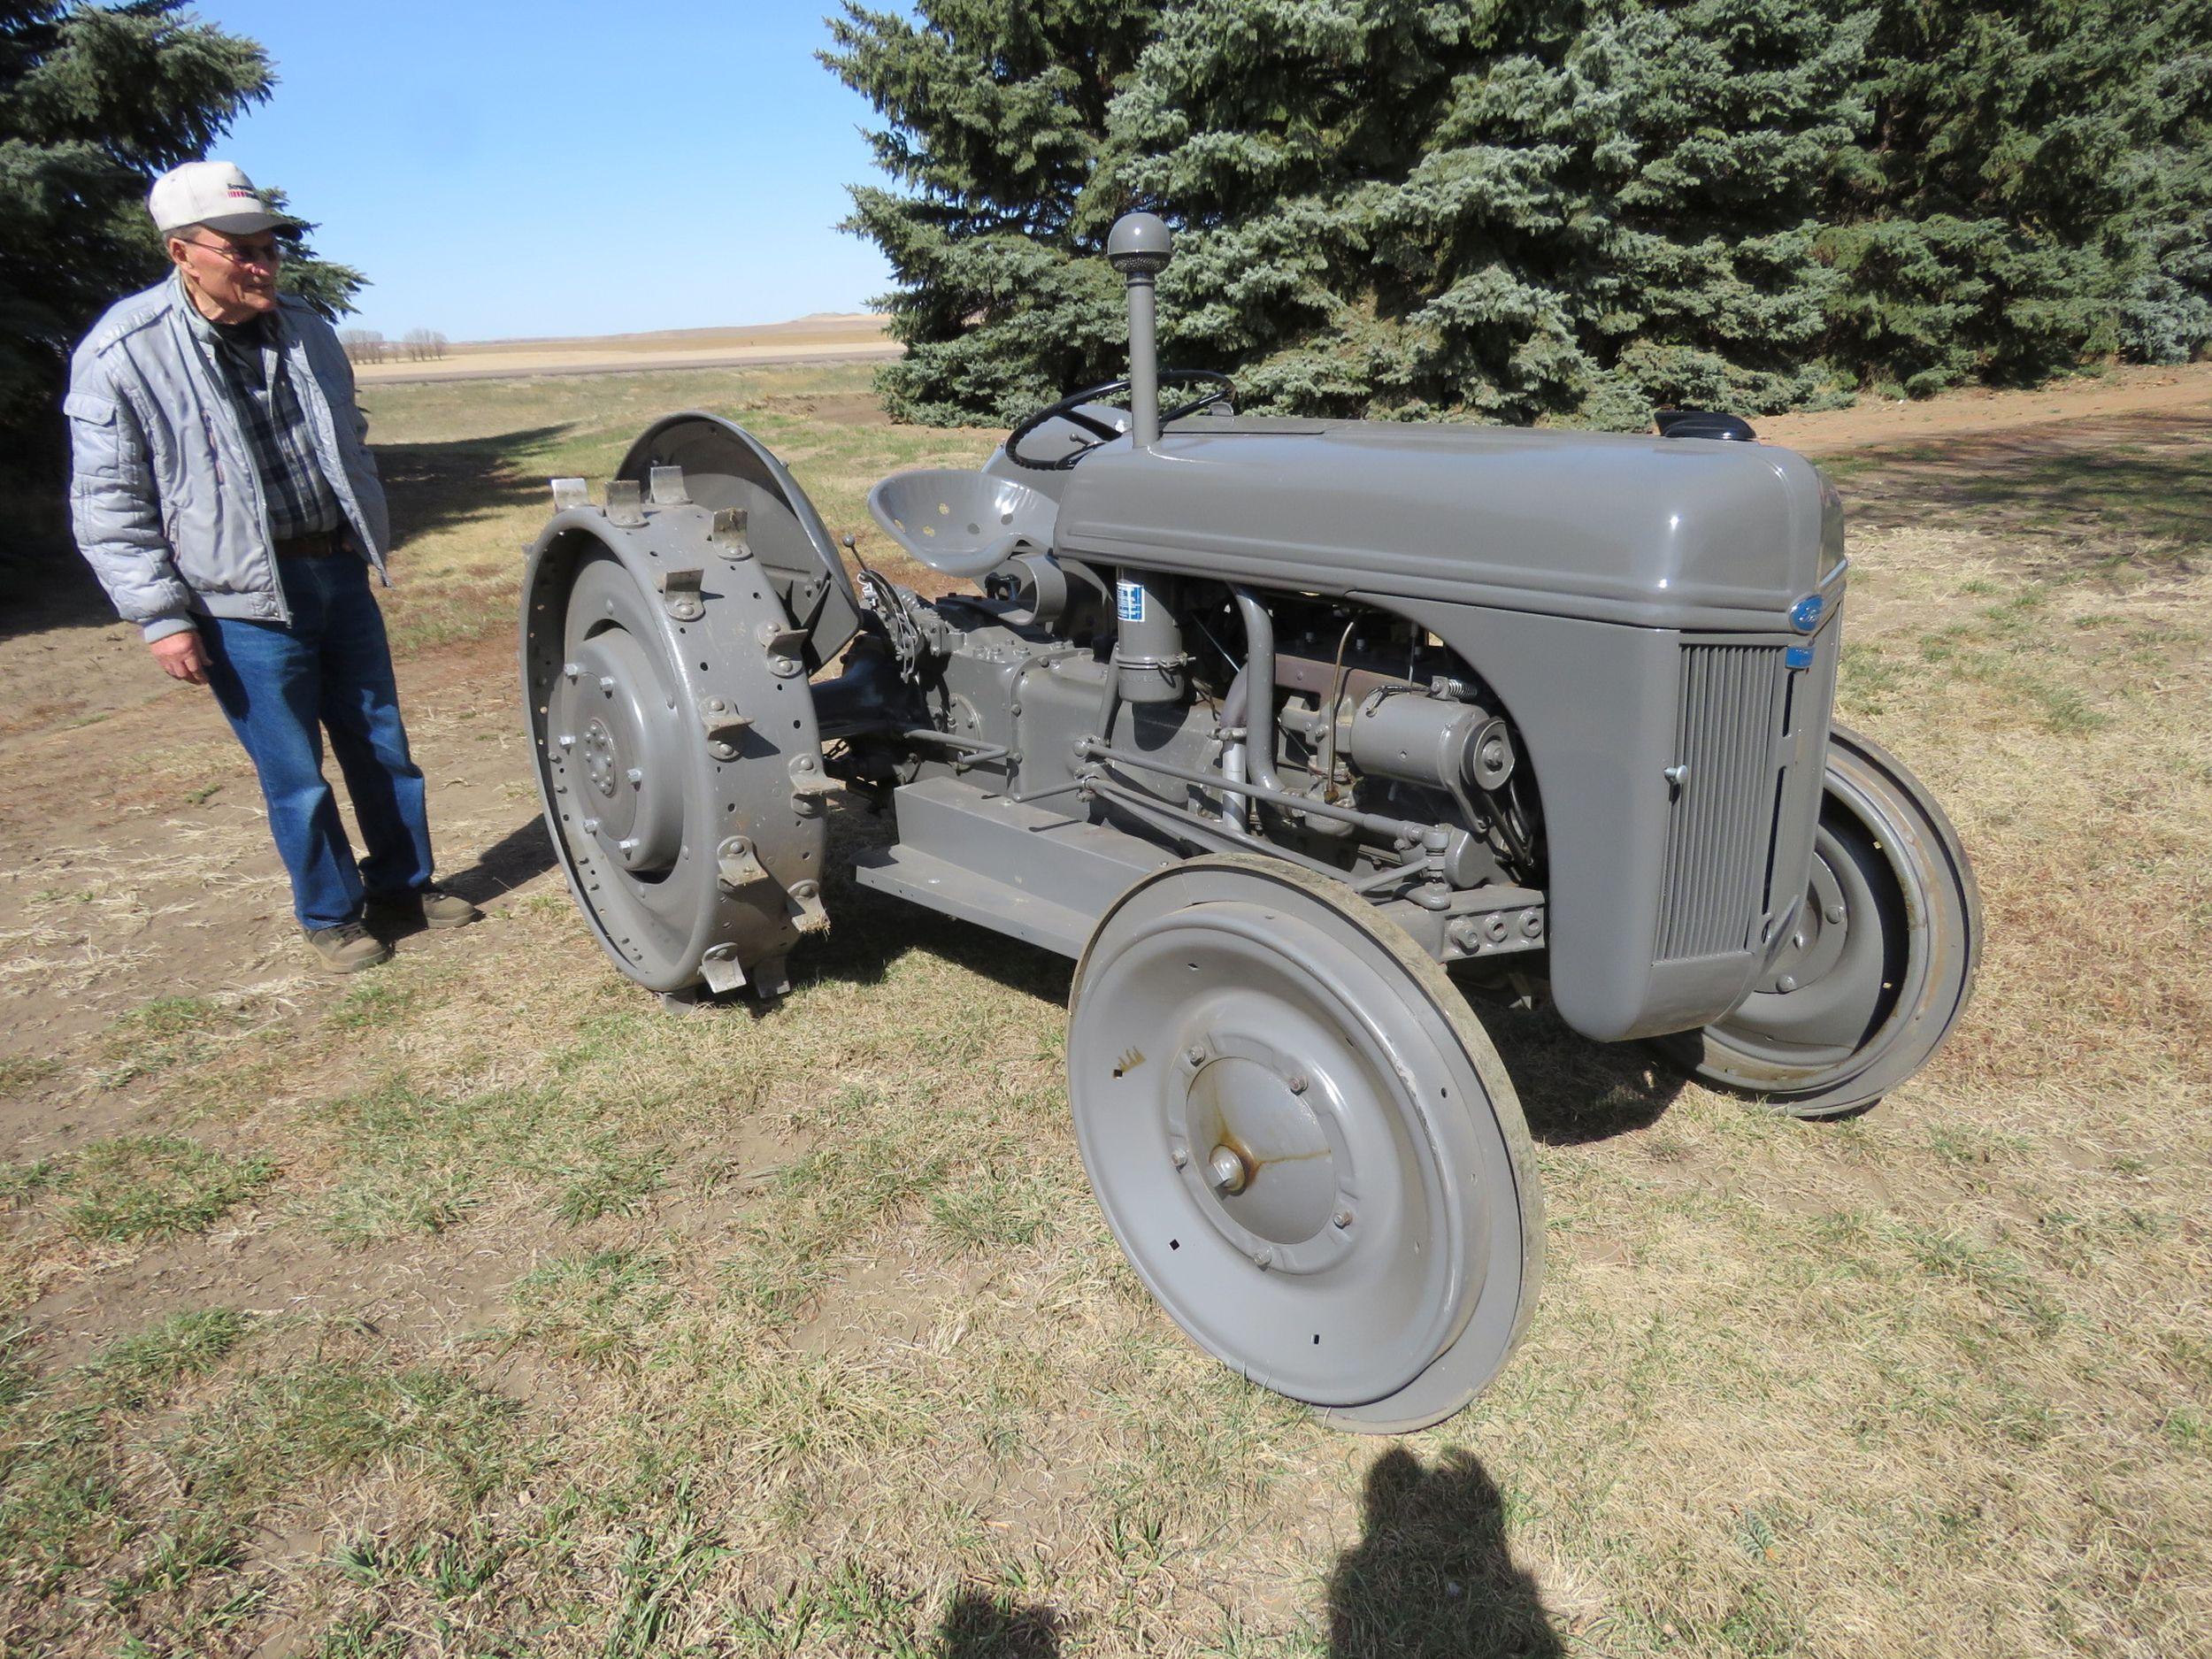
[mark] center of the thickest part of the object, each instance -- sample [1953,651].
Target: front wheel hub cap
[1275,1174]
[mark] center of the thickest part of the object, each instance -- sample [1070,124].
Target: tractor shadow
[872,930]
[523,853]
[1572,1090]
[1432,1576]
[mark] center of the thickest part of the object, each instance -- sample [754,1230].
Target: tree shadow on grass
[1432,1576]
[43,584]
[2135,485]
[430,487]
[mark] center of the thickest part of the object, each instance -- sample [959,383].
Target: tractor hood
[1675,532]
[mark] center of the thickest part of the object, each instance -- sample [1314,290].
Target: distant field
[478,1308]
[827,338]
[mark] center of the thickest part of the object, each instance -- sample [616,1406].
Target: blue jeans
[283,687]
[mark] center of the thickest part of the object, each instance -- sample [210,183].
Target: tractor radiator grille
[1720,834]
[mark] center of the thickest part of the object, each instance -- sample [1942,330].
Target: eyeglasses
[269,252]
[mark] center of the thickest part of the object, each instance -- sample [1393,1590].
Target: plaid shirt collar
[249,360]
[244,342]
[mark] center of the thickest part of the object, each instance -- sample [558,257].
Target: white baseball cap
[211,193]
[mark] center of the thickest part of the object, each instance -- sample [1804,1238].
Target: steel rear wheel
[677,752]
[1881,962]
[1304,1142]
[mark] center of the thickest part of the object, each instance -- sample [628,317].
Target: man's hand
[181,656]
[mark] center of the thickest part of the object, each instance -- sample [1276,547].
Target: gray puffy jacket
[163,493]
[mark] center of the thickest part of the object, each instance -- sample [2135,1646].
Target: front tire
[1881,965]
[1302,1140]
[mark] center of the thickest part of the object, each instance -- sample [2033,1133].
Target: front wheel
[1303,1142]
[1880,965]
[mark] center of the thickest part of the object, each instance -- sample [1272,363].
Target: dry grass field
[479,1308]
[827,337]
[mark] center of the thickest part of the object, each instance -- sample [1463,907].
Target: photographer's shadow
[1432,1574]
[979,1626]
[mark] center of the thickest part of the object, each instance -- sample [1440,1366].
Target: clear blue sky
[564,168]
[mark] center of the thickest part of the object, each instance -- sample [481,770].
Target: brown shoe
[425,907]
[346,949]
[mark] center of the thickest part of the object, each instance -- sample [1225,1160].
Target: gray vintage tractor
[1268,724]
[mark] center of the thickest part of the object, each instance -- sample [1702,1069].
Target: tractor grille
[1720,835]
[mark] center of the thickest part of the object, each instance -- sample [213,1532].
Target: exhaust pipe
[1139,247]
[1148,660]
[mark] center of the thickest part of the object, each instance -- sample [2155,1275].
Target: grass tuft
[609,1181]
[136,1370]
[594,1306]
[142,1187]
[24,1074]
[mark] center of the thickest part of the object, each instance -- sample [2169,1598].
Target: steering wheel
[1070,408]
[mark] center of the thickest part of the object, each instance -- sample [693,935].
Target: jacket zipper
[310,385]
[210,372]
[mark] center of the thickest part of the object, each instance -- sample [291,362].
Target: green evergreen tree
[1389,206]
[2166,306]
[1540,209]
[1518,210]
[96,101]
[2033,191]
[996,109]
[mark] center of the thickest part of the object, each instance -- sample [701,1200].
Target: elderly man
[225,495]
